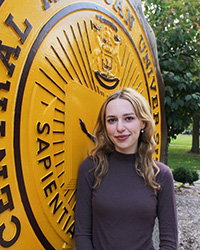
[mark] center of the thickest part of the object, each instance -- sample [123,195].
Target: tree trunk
[195,135]
[166,152]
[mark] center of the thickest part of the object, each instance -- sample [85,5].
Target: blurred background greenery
[179,154]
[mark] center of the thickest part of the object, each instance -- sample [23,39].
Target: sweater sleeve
[83,210]
[166,210]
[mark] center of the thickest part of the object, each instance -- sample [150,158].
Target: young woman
[121,189]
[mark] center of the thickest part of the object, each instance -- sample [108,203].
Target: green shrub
[195,176]
[185,175]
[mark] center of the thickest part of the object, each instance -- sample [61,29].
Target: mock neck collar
[122,156]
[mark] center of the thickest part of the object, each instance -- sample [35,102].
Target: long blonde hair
[144,163]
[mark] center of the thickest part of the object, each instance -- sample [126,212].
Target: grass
[179,156]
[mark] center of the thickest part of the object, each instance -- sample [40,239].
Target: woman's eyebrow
[132,113]
[111,116]
[126,114]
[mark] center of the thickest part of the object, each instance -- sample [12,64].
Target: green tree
[176,27]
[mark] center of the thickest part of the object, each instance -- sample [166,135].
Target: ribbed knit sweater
[120,214]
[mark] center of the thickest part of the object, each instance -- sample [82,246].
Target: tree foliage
[176,27]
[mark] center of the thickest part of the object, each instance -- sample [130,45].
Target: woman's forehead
[119,106]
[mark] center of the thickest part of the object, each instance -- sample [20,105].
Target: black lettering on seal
[3,104]
[117,6]
[155,101]
[130,19]
[6,57]
[55,201]
[47,161]
[2,128]
[142,44]
[2,154]
[9,243]
[9,21]
[49,188]
[41,130]
[47,4]
[5,86]
[9,204]
[156,118]
[42,145]
[4,172]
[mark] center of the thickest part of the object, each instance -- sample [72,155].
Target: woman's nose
[120,126]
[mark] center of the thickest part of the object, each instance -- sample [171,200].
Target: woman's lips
[122,137]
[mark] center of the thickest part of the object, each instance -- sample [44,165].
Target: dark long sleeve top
[120,214]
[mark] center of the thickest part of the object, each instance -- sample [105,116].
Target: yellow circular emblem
[59,60]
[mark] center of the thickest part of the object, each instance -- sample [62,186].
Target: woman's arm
[166,210]
[83,210]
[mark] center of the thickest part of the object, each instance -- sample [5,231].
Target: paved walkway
[156,230]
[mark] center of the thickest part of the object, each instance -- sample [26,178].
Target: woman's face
[123,126]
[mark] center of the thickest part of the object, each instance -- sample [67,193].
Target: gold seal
[59,60]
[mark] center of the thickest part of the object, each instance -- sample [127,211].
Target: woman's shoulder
[164,170]
[166,180]
[86,171]
[87,164]
[162,166]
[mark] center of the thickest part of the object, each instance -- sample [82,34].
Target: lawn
[179,155]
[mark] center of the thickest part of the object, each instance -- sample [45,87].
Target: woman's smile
[122,137]
[123,126]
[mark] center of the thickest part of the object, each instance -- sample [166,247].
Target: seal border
[21,87]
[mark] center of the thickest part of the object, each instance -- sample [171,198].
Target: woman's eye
[111,120]
[129,118]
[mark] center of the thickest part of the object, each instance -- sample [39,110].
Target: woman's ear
[143,125]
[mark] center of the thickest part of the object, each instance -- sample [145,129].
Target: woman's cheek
[109,129]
